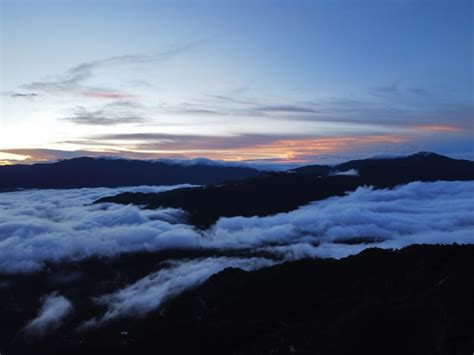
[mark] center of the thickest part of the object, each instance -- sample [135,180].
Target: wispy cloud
[245,147]
[395,90]
[437,128]
[186,142]
[102,117]
[286,109]
[34,155]
[72,81]
[420,92]
[21,95]
[386,90]
[296,148]
[388,106]
[108,95]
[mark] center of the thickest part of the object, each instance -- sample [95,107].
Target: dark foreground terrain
[282,192]
[418,300]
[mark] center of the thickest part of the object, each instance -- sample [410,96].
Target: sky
[274,81]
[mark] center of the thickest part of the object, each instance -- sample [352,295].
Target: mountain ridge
[105,172]
[276,192]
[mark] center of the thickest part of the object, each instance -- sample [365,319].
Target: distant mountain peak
[424,154]
[421,154]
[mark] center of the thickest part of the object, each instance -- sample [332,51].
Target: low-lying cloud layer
[150,292]
[37,227]
[51,315]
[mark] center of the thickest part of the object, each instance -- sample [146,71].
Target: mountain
[417,300]
[422,166]
[272,193]
[103,172]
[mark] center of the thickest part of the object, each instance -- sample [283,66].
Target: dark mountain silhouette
[422,166]
[417,300]
[282,192]
[102,172]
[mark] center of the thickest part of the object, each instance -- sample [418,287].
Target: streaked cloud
[437,128]
[245,147]
[391,106]
[241,81]
[32,155]
[72,81]
[386,91]
[108,95]
[102,117]
[286,109]
[21,95]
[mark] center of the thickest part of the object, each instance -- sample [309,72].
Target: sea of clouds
[41,226]
[38,227]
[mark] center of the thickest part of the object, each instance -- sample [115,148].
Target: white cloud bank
[54,310]
[150,292]
[41,226]
[437,212]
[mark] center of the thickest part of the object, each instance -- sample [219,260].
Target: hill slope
[414,301]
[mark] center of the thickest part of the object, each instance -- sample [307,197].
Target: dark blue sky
[236,80]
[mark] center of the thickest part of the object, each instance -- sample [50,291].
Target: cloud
[200,111]
[44,226]
[285,148]
[433,128]
[24,95]
[288,148]
[102,117]
[231,99]
[420,92]
[386,91]
[53,311]
[413,213]
[152,291]
[62,225]
[385,106]
[350,172]
[73,79]
[286,109]
[162,141]
[34,155]
[336,227]
[238,106]
[108,95]
[30,156]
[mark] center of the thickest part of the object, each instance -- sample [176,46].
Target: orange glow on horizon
[10,159]
[283,150]
[296,150]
